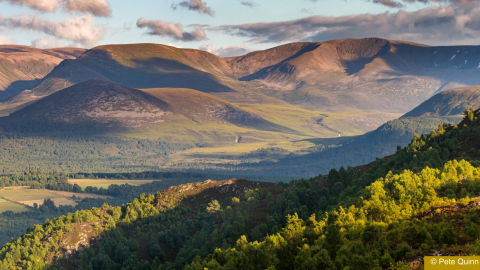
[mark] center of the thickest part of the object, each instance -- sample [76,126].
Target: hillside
[23,67]
[137,66]
[385,215]
[448,102]
[379,74]
[109,106]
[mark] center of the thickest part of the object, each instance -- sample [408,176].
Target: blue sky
[267,24]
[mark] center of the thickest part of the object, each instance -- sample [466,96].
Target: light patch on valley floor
[105,183]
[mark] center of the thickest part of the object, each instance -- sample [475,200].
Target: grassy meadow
[26,196]
[104,183]
[11,206]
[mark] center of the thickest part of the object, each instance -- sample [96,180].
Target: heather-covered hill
[448,102]
[22,67]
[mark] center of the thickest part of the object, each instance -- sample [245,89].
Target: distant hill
[138,66]
[448,102]
[105,102]
[22,67]
[171,112]
[369,73]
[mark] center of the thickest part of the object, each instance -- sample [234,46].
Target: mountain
[138,66]
[105,102]
[448,102]
[23,67]
[170,112]
[369,73]
[420,201]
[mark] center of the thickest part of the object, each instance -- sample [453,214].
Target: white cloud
[226,51]
[47,43]
[6,40]
[96,7]
[170,29]
[80,29]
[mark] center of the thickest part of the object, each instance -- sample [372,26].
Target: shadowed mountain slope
[22,67]
[138,66]
[448,102]
[367,73]
[105,102]
[168,113]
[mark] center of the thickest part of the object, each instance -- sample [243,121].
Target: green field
[10,206]
[104,183]
[29,197]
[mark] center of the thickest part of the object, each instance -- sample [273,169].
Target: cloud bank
[399,3]
[99,8]
[80,29]
[170,29]
[440,25]
[195,5]
[226,51]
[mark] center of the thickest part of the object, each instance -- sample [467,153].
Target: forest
[379,216]
[15,224]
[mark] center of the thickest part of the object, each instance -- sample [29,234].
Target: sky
[235,27]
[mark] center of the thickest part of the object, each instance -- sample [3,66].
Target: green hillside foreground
[383,215]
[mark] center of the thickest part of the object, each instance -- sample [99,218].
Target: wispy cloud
[170,29]
[432,25]
[80,29]
[247,3]
[47,42]
[196,5]
[99,8]
[226,51]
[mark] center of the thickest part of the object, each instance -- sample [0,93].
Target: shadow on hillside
[18,86]
[153,72]
[354,66]
[261,72]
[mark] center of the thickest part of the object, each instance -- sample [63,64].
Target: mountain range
[298,99]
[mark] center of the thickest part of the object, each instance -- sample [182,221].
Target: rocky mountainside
[23,67]
[448,102]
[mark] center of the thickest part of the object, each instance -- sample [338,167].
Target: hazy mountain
[22,67]
[138,66]
[449,102]
[369,73]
